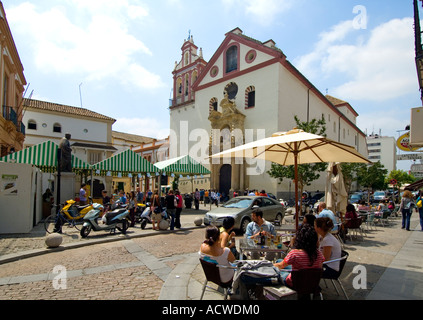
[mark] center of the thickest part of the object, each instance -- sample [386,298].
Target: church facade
[247,91]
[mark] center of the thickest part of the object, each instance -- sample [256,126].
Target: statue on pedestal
[66,158]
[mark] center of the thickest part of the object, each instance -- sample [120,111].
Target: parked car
[316,204]
[240,209]
[356,197]
[380,196]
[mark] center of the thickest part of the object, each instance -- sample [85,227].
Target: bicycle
[51,221]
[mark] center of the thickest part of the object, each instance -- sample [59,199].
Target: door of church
[225,179]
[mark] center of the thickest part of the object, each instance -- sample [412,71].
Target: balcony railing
[10,114]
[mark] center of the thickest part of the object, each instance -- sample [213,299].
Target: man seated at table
[323,212]
[256,226]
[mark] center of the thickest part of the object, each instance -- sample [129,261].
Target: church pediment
[238,54]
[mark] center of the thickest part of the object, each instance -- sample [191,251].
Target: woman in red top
[304,255]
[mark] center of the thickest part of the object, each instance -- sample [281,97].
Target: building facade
[12,82]
[383,149]
[247,91]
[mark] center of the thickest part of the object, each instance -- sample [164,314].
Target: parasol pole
[297,209]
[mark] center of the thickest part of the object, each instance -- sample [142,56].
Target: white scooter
[115,219]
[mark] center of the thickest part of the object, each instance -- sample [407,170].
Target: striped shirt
[299,260]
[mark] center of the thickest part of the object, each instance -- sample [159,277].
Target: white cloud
[147,127]
[96,44]
[379,69]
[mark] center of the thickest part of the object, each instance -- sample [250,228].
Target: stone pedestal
[67,186]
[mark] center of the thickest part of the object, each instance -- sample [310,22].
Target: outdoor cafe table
[249,245]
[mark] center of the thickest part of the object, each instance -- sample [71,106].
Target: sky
[116,57]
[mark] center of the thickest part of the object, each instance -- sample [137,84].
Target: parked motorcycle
[72,211]
[141,207]
[112,220]
[146,217]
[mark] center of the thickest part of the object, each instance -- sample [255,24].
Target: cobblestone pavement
[138,267]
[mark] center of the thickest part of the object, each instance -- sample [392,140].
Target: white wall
[97,130]
[17,209]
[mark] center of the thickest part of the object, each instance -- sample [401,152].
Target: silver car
[240,209]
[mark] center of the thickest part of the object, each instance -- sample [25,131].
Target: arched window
[194,77]
[32,125]
[232,59]
[213,104]
[57,127]
[179,87]
[250,97]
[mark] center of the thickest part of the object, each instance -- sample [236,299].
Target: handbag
[419,203]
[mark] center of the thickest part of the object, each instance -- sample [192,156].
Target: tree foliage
[372,177]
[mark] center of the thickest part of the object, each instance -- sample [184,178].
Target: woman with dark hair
[212,251]
[305,254]
[329,245]
[227,235]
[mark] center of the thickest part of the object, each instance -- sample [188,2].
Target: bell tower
[186,72]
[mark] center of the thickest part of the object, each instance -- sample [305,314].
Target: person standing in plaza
[406,208]
[197,199]
[155,217]
[83,195]
[140,196]
[178,209]
[171,208]
[131,208]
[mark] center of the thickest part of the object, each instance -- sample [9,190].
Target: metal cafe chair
[211,271]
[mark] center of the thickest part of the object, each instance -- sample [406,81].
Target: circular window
[214,71]
[250,56]
[85,130]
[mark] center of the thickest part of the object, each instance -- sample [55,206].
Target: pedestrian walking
[178,209]
[406,208]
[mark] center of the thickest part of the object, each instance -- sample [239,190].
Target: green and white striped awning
[44,156]
[182,165]
[124,162]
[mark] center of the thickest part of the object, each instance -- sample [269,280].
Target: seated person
[227,235]
[329,245]
[212,251]
[323,212]
[391,206]
[305,254]
[383,205]
[362,206]
[255,227]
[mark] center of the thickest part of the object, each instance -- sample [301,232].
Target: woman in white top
[212,251]
[329,245]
